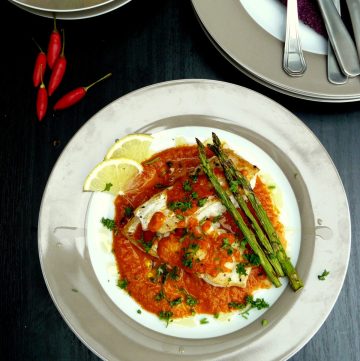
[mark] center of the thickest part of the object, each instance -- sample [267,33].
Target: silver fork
[294,62]
[335,75]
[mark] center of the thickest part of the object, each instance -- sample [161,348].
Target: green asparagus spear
[294,279]
[237,217]
[259,232]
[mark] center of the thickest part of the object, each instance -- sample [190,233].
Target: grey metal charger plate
[68,13]
[259,55]
[325,223]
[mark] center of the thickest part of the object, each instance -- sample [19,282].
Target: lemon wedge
[132,146]
[112,175]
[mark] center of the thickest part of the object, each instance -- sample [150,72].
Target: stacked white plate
[69,9]
[251,36]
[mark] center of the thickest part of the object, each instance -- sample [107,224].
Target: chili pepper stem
[55,28]
[36,43]
[63,43]
[86,88]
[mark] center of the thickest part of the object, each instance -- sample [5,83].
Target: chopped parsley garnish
[216,315]
[204,321]
[180,216]
[323,275]
[175,302]
[216,219]
[264,322]
[159,296]
[122,283]
[272,186]
[187,186]
[182,206]
[166,316]
[243,243]
[146,245]
[174,273]
[194,177]
[128,211]
[191,301]
[236,305]
[138,311]
[108,223]
[226,245]
[259,303]
[240,269]
[188,257]
[194,195]
[107,187]
[202,201]
[253,258]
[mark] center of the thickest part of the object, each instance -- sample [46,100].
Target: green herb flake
[74,290]
[122,283]
[187,186]
[191,301]
[204,321]
[236,305]
[264,322]
[217,315]
[138,311]
[128,211]
[216,219]
[180,216]
[253,258]
[240,269]
[175,302]
[159,296]
[166,316]
[323,275]
[271,186]
[202,201]
[194,195]
[182,206]
[107,187]
[259,303]
[108,223]
[174,274]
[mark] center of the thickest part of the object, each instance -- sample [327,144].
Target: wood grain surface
[142,43]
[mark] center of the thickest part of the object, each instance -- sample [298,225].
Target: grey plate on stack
[69,9]
[258,54]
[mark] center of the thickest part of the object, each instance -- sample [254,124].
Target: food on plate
[196,231]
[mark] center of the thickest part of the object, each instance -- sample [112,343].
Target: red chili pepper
[54,46]
[74,96]
[58,70]
[41,101]
[40,66]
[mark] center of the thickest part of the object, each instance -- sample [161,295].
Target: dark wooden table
[142,43]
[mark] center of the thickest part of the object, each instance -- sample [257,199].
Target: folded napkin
[309,14]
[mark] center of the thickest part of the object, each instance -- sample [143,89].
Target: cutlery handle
[354,11]
[340,39]
[335,75]
[294,62]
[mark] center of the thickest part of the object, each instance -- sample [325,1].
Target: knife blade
[341,40]
[354,11]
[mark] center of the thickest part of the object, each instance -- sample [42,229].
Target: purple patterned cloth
[309,14]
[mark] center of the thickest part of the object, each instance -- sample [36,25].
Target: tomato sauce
[170,282]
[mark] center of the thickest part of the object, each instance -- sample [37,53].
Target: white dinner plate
[99,239]
[69,269]
[248,41]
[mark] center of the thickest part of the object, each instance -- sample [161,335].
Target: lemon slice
[132,146]
[112,175]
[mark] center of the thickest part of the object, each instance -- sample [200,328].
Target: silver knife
[341,40]
[354,11]
[335,75]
